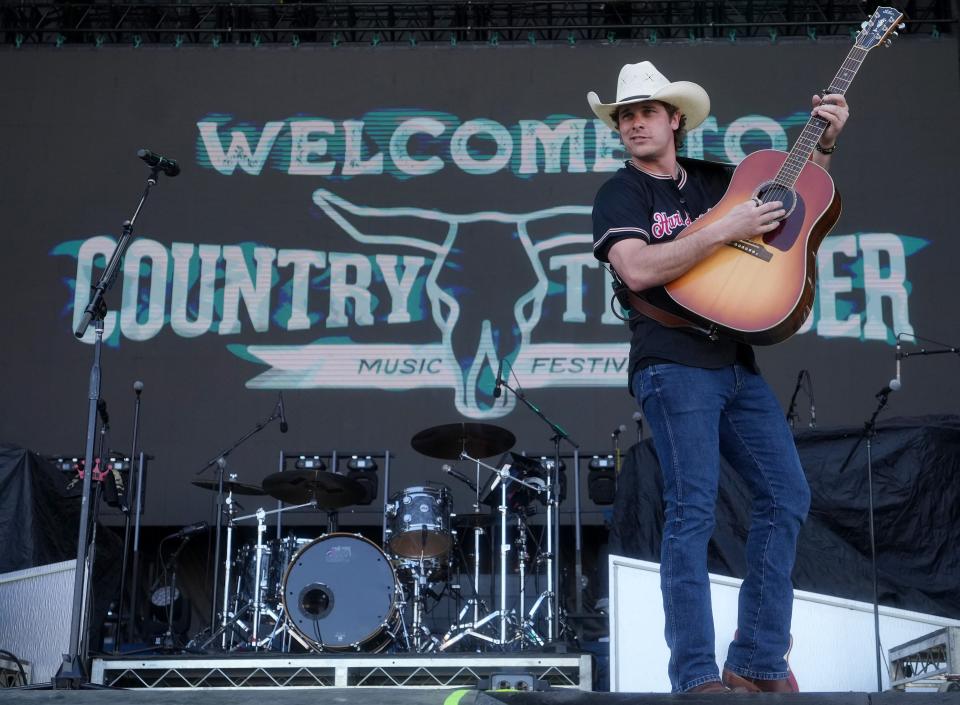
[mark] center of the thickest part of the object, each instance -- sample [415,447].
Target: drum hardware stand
[474,602]
[220,460]
[553,514]
[72,672]
[256,604]
[504,477]
[527,632]
[423,640]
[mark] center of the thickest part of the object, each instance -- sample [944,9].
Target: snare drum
[419,522]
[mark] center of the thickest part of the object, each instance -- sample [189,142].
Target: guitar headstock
[882,24]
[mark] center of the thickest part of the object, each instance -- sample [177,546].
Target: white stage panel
[833,638]
[35,614]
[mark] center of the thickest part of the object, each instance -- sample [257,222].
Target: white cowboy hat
[640,82]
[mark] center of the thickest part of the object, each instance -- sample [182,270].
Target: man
[703,397]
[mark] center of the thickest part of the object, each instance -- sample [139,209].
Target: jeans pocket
[643,382]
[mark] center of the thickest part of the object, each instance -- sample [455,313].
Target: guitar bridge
[752,248]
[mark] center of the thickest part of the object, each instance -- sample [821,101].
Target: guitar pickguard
[790,228]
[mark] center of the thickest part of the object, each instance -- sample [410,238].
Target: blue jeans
[694,415]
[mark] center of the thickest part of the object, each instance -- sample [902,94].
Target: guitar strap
[664,318]
[637,302]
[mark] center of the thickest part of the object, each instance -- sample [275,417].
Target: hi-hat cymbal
[478,440]
[229,486]
[472,519]
[330,490]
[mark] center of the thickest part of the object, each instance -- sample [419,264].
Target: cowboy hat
[640,82]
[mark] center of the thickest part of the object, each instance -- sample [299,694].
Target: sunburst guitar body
[761,290]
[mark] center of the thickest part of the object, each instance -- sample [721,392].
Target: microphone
[190,530]
[447,468]
[892,386]
[138,387]
[618,430]
[899,357]
[284,426]
[167,166]
[496,389]
[102,410]
[638,417]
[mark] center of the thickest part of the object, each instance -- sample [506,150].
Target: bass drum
[340,594]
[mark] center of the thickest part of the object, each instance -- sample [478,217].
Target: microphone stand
[792,416]
[170,642]
[553,515]
[869,430]
[72,673]
[101,468]
[131,497]
[220,461]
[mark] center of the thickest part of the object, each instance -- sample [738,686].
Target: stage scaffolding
[572,670]
[353,22]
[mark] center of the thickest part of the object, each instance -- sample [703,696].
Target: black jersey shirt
[656,208]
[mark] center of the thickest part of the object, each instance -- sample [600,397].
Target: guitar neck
[813,130]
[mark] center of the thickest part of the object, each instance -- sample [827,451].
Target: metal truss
[929,660]
[355,670]
[374,22]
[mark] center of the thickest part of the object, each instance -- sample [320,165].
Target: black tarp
[39,524]
[916,485]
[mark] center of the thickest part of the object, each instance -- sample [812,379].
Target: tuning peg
[888,43]
[863,25]
[895,34]
[902,25]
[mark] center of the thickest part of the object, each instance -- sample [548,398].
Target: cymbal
[229,486]
[478,440]
[330,490]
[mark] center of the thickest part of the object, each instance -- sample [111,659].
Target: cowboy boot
[742,684]
[709,688]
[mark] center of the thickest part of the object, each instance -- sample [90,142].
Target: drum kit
[342,592]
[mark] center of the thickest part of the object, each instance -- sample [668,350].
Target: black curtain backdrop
[451,231]
[916,466]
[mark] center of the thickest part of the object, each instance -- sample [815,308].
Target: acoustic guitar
[760,291]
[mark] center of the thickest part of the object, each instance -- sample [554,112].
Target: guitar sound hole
[771,191]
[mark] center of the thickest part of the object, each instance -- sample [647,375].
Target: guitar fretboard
[813,130]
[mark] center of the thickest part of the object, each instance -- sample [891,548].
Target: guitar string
[812,131]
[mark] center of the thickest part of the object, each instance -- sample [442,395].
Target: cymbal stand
[258,583]
[474,602]
[504,477]
[220,460]
[225,616]
[527,631]
[553,513]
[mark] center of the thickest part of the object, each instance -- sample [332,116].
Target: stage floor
[445,696]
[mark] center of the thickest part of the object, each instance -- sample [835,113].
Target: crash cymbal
[478,440]
[229,486]
[330,490]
